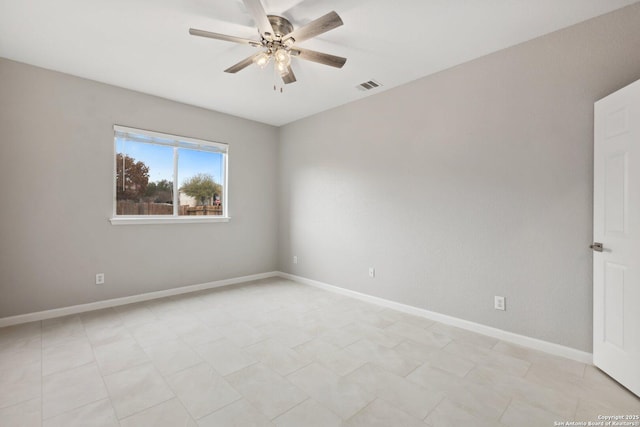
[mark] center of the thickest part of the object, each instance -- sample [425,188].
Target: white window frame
[176,142]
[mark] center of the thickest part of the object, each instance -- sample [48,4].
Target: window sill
[124,220]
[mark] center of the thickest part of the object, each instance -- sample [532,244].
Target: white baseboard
[81,308]
[534,343]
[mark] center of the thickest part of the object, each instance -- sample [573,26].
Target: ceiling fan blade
[314,28]
[242,64]
[259,16]
[202,33]
[319,57]
[289,77]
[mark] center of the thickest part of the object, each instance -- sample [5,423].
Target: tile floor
[276,353]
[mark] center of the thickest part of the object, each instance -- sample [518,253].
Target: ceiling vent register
[371,84]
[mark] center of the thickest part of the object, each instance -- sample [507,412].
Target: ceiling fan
[278,41]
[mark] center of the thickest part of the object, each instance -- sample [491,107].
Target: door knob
[597,247]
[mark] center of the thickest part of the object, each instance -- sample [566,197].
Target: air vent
[371,84]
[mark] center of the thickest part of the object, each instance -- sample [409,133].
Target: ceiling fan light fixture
[282,57]
[282,68]
[262,59]
[288,42]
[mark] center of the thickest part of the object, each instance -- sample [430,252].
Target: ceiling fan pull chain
[275,81]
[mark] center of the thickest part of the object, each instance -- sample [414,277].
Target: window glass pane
[200,178]
[144,178]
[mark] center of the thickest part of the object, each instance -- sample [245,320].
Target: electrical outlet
[372,272]
[100,279]
[295,259]
[499,303]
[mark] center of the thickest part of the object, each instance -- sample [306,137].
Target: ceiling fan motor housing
[281,26]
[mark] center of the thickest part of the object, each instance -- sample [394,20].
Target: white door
[616,225]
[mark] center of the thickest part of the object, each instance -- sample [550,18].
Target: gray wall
[470,183]
[56,167]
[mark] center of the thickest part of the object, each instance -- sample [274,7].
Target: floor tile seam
[441,371]
[475,413]
[561,389]
[504,411]
[575,412]
[524,374]
[30,398]
[136,364]
[346,373]
[442,399]
[8,341]
[165,375]
[92,353]
[242,397]
[193,346]
[71,367]
[560,416]
[84,327]
[428,365]
[238,370]
[553,367]
[386,371]
[296,405]
[243,347]
[394,375]
[13,352]
[92,337]
[145,409]
[339,377]
[475,365]
[67,342]
[544,407]
[196,419]
[390,335]
[529,360]
[143,346]
[424,328]
[129,326]
[344,421]
[396,407]
[65,338]
[584,370]
[22,402]
[284,377]
[404,340]
[131,367]
[20,365]
[107,397]
[493,347]
[307,362]
[177,338]
[104,384]
[355,342]
[177,395]
[481,363]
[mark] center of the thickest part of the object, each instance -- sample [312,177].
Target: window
[167,178]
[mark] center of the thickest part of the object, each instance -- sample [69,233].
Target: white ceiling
[144,45]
